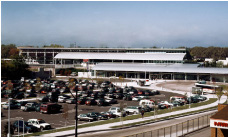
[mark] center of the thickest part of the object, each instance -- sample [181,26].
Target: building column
[138,75]
[185,77]
[95,73]
[173,76]
[145,74]
[161,75]
[126,74]
[36,56]
[224,79]
[53,56]
[149,76]
[210,78]
[44,57]
[197,77]
[54,67]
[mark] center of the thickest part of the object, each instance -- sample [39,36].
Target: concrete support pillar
[161,75]
[173,76]
[145,74]
[36,56]
[138,75]
[44,57]
[149,76]
[224,79]
[95,73]
[185,77]
[53,55]
[126,74]
[197,77]
[210,78]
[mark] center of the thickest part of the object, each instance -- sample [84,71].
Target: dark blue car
[27,128]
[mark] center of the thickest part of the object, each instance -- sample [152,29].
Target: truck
[39,123]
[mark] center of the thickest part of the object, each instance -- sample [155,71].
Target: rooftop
[142,67]
[121,56]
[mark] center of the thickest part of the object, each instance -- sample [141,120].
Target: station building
[219,122]
[140,63]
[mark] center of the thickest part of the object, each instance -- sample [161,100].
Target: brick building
[219,122]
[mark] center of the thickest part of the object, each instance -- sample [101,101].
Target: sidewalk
[152,86]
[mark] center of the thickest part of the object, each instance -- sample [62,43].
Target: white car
[39,123]
[133,109]
[62,99]
[137,98]
[166,103]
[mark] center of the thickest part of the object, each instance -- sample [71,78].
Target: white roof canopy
[178,68]
[121,56]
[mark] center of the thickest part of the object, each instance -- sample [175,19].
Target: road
[175,130]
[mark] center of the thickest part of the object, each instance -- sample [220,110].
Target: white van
[149,103]
[116,111]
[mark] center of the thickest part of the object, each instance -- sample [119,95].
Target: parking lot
[57,120]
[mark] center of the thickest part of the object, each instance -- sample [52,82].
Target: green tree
[53,46]
[9,51]
[15,69]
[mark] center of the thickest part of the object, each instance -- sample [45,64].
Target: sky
[115,24]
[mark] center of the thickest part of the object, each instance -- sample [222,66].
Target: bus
[207,88]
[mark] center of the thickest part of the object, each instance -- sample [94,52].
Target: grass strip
[211,100]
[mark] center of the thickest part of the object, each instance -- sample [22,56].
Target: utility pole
[9,117]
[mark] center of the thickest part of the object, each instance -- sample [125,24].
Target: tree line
[216,53]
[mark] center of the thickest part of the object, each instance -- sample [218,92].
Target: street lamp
[8,135]
[76,112]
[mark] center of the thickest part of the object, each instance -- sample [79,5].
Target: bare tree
[225,91]
[219,93]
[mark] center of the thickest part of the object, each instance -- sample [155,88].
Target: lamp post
[9,117]
[76,115]
[76,112]
[23,128]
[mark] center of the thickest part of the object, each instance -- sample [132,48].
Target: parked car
[109,114]
[85,117]
[63,98]
[81,100]
[136,98]
[178,98]
[99,115]
[101,102]
[21,103]
[31,94]
[116,111]
[39,123]
[71,101]
[12,106]
[146,102]
[133,109]
[23,125]
[199,97]
[111,100]
[30,106]
[50,108]
[91,102]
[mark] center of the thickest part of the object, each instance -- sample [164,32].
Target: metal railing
[178,129]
